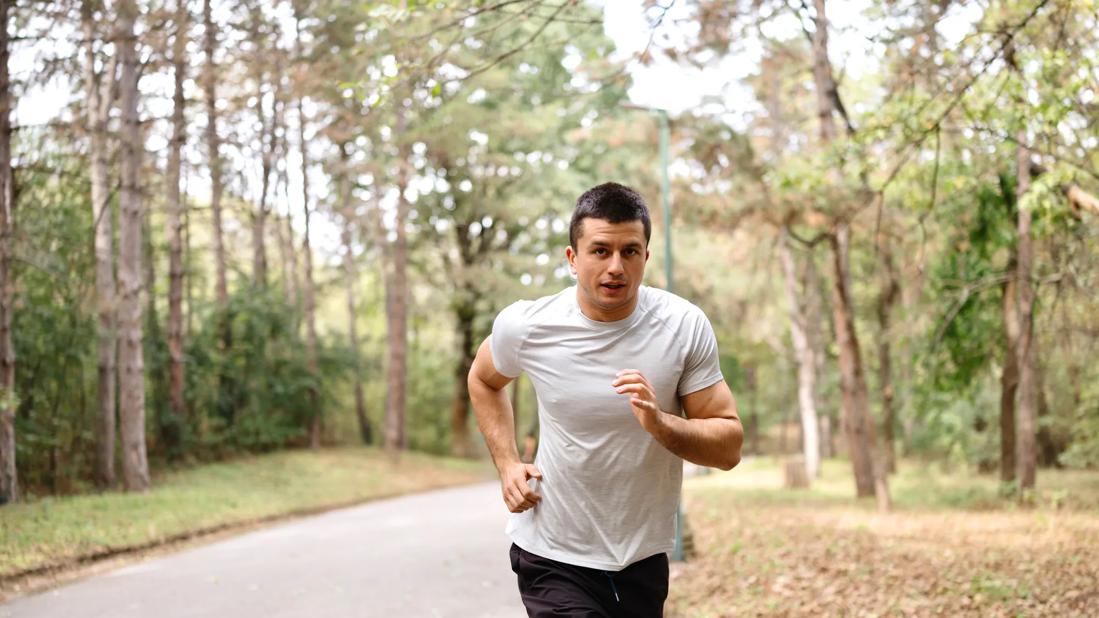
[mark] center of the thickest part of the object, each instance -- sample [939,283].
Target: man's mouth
[614,285]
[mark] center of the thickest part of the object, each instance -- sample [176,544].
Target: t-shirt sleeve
[508,332]
[703,365]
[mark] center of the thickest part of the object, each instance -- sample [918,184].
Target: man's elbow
[730,461]
[732,454]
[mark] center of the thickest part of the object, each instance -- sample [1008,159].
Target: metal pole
[666,198]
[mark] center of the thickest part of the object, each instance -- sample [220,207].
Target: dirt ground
[765,553]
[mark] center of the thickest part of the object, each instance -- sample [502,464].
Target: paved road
[441,553]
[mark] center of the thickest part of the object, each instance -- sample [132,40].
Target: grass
[54,532]
[955,544]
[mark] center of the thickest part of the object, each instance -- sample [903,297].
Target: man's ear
[646,254]
[570,255]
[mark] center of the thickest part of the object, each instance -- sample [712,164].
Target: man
[628,384]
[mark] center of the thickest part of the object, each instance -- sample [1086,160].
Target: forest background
[253,226]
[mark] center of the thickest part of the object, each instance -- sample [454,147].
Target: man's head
[608,248]
[613,203]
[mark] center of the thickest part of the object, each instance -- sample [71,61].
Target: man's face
[609,264]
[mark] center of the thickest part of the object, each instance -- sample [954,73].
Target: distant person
[628,385]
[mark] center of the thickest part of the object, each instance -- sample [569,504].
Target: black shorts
[551,588]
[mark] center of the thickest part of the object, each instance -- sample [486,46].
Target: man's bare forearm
[713,442]
[496,420]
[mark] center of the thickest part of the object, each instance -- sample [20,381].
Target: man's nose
[615,266]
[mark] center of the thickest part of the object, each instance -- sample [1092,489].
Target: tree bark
[870,476]
[176,207]
[1009,377]
[397,306]
[135,468]
[100,99]
[213,144]
[308,292]
[807,364]
[459,416]
[887,300]
[365,430]
[1027,409]
[856,425]
[9,477]
[268,130]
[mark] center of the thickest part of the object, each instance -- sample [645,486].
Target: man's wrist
[657,425]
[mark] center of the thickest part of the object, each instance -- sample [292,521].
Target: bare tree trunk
[176,208]
[459,413]
[213,144]
[1009,377]
[309,295]
[807,364]
[1027,411]
[285,233]
[131,387]
[365,430]
[100,98]
[886,302]
[870,476]
[268,129]
[397,308]
[9,477]
[857,426]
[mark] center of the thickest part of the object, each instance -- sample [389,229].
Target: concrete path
[441,553]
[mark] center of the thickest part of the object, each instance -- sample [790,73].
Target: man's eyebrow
[605,243]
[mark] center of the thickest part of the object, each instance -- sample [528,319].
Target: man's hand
[642,397]
[517,493]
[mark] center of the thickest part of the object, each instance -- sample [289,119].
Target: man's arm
[496,419]
[711,435]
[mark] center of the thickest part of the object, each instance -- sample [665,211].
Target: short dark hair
[612,202]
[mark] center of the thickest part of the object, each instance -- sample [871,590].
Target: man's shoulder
[527,311]
[666,306]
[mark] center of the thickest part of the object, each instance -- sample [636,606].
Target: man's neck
[598,314]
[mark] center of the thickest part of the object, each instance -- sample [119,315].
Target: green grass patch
[49,531]
[915,486]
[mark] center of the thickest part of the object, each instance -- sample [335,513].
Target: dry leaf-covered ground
[951,547]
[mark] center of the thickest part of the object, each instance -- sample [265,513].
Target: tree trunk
[397,307]
[870,476]
[308,292]
[1027,409]
[168,429]
[807,364]
[459,415]
[1009,377]
[822,76]
[176,208]
[268,129]
[886,302]
[213,144]
[858,429]
[131,387]
[365,430]
[9,477]
[100,98]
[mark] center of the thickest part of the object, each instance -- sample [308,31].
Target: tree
[308,287]
[347,210]
[100,86]
[213,145]
[9,478]
[131,383]
[177,213]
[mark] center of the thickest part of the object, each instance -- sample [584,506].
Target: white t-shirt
[609,489]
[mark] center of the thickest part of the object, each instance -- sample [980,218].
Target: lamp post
[666,204]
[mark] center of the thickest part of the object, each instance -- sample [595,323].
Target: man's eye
[600,251]
[630,251]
